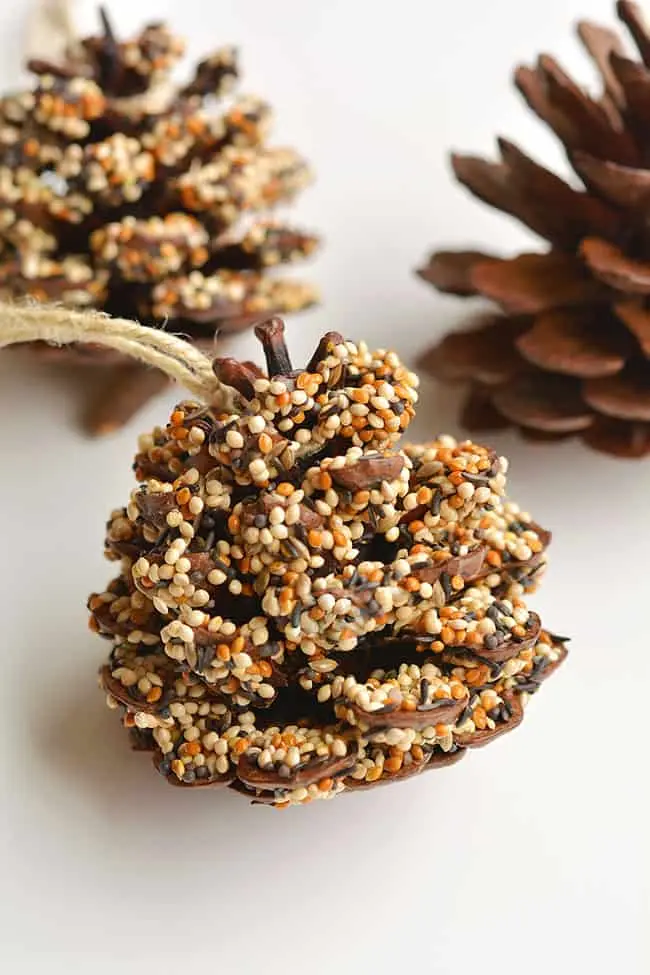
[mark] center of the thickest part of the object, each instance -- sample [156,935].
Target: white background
[530,856]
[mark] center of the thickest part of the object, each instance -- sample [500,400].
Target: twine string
[50,29]
[174,356]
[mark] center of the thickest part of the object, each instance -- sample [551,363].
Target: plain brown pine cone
[122,193]
[568,352]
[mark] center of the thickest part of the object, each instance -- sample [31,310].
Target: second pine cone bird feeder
[123,193]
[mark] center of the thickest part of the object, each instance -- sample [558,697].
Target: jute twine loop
[50,29]
[172,355]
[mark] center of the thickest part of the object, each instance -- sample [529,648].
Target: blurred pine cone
[122,193]
[568,354]
[303,608]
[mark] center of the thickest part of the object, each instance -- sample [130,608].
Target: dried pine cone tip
[128,67]
[302,607]
[568,355]
[122,192]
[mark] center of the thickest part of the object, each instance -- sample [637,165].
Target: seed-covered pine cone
[302,607]
[121,193]
[569,353]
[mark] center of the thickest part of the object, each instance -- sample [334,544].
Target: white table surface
[532,855]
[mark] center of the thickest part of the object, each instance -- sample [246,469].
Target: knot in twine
[174,356]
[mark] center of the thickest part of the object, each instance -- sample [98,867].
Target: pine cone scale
[544,402]
[600,43]
[488,354]
[624,397]
[621,185]
[567,213]
[535,282]
[629,441]
[577,343]
[578,122]
[611,266]
[630,14]
[535,196]
[635,81]
[451,271]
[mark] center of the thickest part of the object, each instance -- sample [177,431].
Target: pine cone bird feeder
[121,193]
[303,608]
[568,353]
